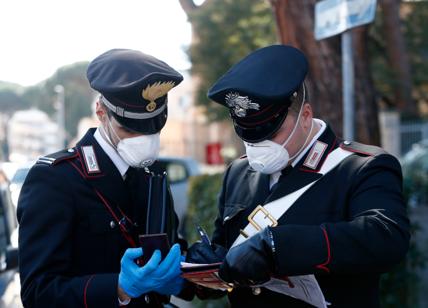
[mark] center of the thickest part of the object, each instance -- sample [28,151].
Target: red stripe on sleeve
[323,266]
[85,291]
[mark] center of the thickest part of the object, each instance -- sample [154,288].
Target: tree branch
[188,6]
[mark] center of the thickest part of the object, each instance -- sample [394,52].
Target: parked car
[18,179]
[9,286]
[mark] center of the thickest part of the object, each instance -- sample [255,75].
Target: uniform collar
[331,142]
[301,175]
[275,176]
[310,144]
[111,152]
[107,179]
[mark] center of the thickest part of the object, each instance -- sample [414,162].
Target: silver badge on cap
[240,104]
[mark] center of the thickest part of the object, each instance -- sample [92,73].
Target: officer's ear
[100,111]
[307,115]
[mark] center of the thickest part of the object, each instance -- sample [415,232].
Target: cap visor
[260,132]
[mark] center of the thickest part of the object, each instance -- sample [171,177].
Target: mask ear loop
[105,135]
[298,118]
[295,126]
[307,137]
[112,129]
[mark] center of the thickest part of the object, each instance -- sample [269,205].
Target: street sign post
[333,17]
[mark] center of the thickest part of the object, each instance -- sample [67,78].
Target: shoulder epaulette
[55,158]
[360,148]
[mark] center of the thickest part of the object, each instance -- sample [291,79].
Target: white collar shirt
[111,152]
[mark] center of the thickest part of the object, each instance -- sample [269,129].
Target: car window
[20,175]
[176,172]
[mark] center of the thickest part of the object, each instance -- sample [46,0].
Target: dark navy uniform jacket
[346,229]
[70,246]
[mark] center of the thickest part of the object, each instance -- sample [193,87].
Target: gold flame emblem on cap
[154,91]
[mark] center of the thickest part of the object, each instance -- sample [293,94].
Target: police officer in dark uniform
[81,209]
[302,204]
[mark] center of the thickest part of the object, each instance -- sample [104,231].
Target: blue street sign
[336,16]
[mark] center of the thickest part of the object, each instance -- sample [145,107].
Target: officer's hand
[153,276]
[204,253]
[172,287]
[174,283]
[250,262]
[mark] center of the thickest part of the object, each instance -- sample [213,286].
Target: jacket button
[70,150]
[256,291]
[346,142]
[147,299]
[112,224]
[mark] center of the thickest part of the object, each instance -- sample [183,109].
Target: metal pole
[348,86]
[59,89]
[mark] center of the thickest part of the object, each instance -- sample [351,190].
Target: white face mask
[140,151]
[268,156]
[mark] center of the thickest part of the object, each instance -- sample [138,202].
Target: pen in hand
[204,236]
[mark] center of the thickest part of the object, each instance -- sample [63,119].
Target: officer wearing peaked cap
[81,210]
[302,206]
[134,88]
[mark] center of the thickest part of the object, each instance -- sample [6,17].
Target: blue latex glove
[175,285]
[153,276]
[172,287]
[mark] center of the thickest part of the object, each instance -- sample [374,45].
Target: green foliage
[226,31]
[78,96]
[416,35]
[413,17]
[415,174]
[398,288]
[202,209]
[11,101]
[10,86]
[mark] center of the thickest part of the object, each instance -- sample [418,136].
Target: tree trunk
[295,21]
[367,124]
[188,6]
[397,57]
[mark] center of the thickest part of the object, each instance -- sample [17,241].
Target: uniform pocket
[98,245]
